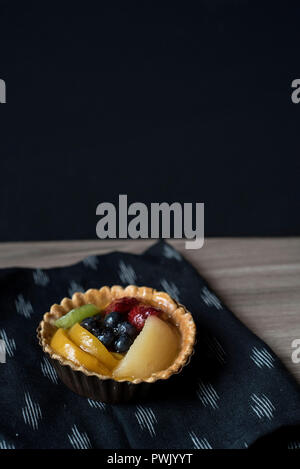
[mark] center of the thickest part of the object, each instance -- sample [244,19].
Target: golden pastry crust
[177,313]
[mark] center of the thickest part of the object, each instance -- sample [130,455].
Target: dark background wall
[163,103]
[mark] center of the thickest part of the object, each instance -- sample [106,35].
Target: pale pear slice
[153,350]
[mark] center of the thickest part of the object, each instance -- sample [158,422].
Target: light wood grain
[258,278]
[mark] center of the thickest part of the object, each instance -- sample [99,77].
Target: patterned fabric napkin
[234,392]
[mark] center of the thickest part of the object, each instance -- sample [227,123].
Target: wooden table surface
[258,278]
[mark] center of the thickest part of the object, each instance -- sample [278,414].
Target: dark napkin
[234,392]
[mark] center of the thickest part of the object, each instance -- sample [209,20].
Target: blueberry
[89,323]
[123,343]
[106,336]
[96,330]
[98,317]
[112,319]
[126,328]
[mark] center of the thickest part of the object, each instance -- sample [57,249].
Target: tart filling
[132,334]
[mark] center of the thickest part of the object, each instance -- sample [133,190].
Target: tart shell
[104,388]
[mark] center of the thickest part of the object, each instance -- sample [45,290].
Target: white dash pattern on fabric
[40,278]
[48,370]
[23,307]
[31,412]
[91,262]
[79,440]
[170,288]
[262,358]
[210,299]
[262,406]
[215,349]
[10,344]
[171,253]
[5,445]
[294,444]
[199,443]
[75,287]
[146,419]
[96,404]
[208,395]
[127,274]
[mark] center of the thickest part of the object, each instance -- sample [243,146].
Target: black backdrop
[163,102]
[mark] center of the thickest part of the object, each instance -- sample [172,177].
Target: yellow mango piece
[117,355]
[154,349]
[63,345]
[89,343]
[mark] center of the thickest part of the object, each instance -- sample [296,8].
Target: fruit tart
[112,344]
